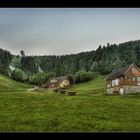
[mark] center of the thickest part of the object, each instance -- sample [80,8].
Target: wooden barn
[124,80]
[57,82]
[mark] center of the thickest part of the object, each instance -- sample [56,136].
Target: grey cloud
[65,31]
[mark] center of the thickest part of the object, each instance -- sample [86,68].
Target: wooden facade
[124,80]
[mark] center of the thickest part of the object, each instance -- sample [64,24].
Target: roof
[57,79]
[118,73]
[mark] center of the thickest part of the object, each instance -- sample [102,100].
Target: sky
[59,31]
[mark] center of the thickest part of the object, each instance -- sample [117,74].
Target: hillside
[7,84]
[90,110]
[94,86]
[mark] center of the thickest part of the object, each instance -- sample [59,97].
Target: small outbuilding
[124,80]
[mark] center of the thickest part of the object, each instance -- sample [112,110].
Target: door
[121,91]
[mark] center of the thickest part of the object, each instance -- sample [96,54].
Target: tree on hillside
[5,60]
[39,78]
[94,67]
[98,54]
[22,53]
[71,78]
[18,75]
[103,59]
[82,76]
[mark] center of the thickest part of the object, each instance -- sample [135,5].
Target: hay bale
[62,91]
[71,93]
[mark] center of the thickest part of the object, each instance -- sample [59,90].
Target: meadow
[90,110]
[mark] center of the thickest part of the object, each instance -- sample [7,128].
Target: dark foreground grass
[90,110]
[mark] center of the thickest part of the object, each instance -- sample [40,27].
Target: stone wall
[131,89]
[110,91]
[127,89]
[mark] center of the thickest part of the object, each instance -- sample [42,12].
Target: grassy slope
[96,86]
[90,110]
[8,84]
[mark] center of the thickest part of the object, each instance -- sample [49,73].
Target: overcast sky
[49,31]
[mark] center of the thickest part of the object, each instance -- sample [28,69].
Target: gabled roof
[119,72]
[57,79]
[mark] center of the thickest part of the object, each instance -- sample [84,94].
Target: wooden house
[57,82]
[124,80]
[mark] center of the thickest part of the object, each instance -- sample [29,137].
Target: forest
[79,67]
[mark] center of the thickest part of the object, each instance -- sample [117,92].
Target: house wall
[132,75]
[131,89]
[113,90]
[64,83]
[109,90]
[130,78]
[52,85]
[127,89]
[128,82]
[136,71]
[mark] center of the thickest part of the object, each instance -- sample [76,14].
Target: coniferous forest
[79,67]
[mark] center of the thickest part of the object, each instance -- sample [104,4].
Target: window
[115,82]
[138,79]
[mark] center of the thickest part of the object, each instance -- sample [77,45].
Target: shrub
[39,78]
[18,75]
[83,76]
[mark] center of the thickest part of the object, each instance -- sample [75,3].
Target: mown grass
[90,110]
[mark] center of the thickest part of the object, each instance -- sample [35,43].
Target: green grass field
[90,110]
[7,84]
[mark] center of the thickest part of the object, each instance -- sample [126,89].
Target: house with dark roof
[57,82]
[124,80]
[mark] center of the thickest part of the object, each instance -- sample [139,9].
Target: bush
[39,78]
[18,75]
[83,76]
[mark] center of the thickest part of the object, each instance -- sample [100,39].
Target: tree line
[103,60]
